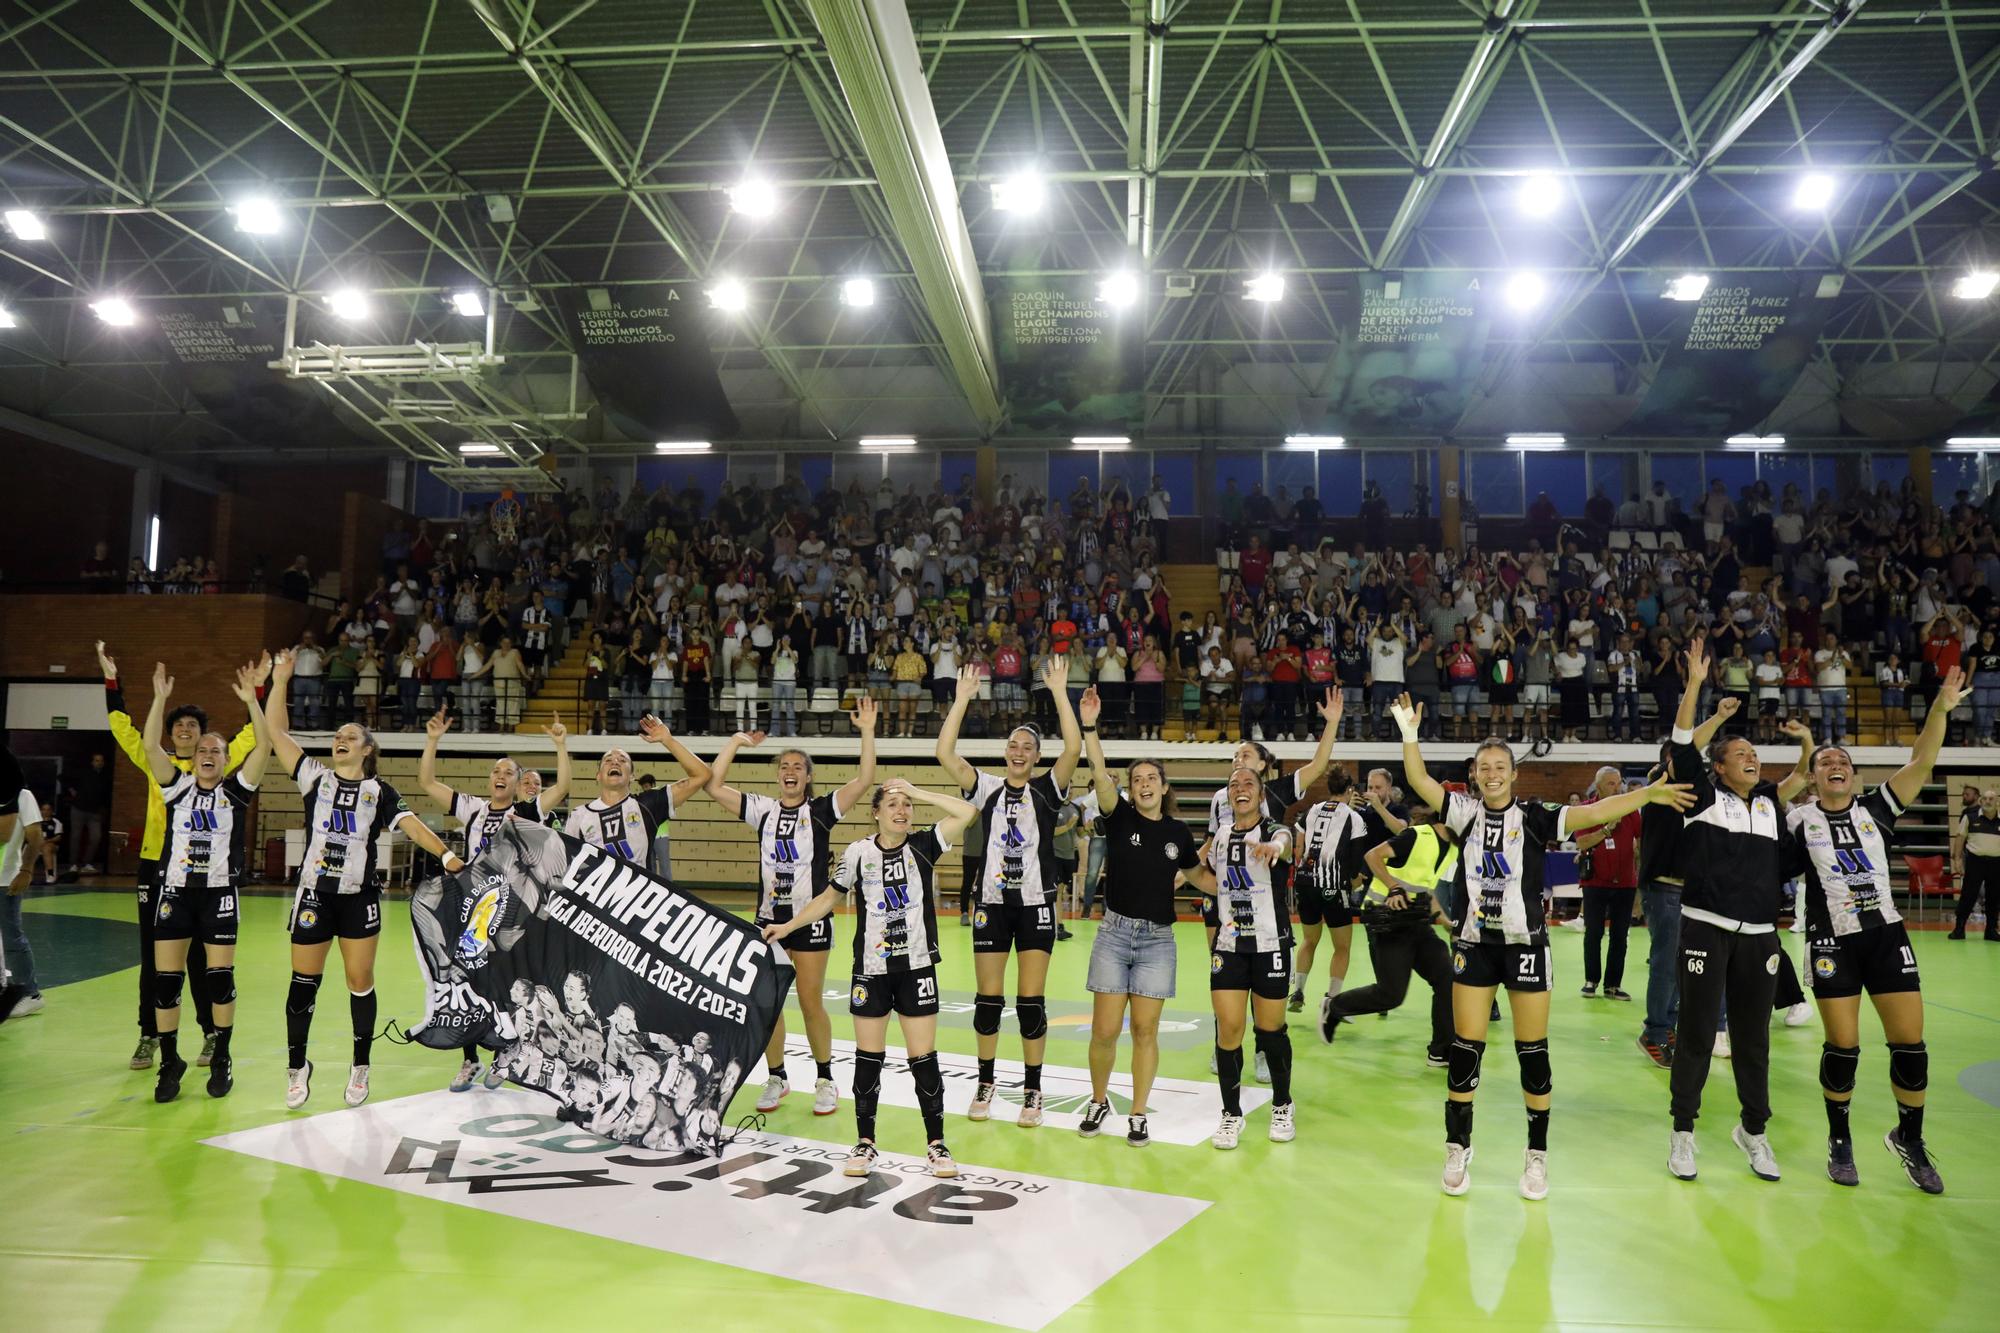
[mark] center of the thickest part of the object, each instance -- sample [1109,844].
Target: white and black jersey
[1280,795]
[1500,865]
[895,928]
[794,850]
[1250,899]
[1731,848]
[343,818]
[205,832]
[481,819]
[1019,866]
[1327,837]
[1844,855]
[625,829]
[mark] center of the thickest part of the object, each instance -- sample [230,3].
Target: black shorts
[185,914]
[911,994]
[319,917]
[815,938]
[1878,960]
[1266,975]
[1022,927]
[1522,967]
[1329,908]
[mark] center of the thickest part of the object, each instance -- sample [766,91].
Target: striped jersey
[895,927]
[794,850]
[624,829]
[1250,895]
[1327,837]
[1020,863]
[1280,795]
[1844,855]
[343,817]
[204,832]
[1500,864]
[481,819]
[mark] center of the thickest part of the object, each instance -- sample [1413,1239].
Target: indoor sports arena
[1046,664]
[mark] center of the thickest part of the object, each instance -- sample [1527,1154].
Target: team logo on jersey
[166,908]
[860,996]
[979,919]
[1172,849]
[1215,962]
[475,942]
[308,919]
[1457,960]
[1824,968]
[1771,965]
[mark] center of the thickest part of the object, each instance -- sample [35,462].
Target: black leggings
[1603,907]
[1396,952]
[1982,873]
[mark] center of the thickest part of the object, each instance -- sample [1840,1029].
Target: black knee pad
[867,1073]
[1032,1013]
[302,995]
[1536,1080]
[167,989]
[1909,1066]
[986,1014]
[1462,1064]
[1839,1066]
[222,985]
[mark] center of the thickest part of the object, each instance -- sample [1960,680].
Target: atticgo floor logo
[771,1203]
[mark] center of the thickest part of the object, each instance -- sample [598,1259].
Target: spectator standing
[1610,879]
[89,805]
[309,680]
[1830,667]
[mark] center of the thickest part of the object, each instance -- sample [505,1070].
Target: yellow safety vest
[1432,861]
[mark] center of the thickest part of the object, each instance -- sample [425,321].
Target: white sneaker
[468,1073]
[1757,1148]
[1535,1174]
[357,1085]
[1283,1129]
[1680,1153]
[982,1103]
[496,1077]
[1798,1015]
[941,1163]
[826,1097]
[1229,1133]
[29,1004]
[860,1160]
[1256,732]
[1457,1173]
[1722,1045]
[775,1088]
[1211,1061]
[1263,1068]
[1031,1110]
[299,1086]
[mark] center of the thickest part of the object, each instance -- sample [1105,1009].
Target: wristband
[1090,730]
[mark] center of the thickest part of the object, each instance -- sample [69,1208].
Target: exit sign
[58,724]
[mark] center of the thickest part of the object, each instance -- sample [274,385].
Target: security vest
[1432,861]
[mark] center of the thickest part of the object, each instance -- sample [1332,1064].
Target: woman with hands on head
[794,852]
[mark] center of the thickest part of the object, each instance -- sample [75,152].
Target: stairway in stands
[561,692]
[1193,589]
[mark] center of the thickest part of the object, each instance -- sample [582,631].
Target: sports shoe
[1229,1133]
[34,1004]
[1798,1015]
[220,1077]
[1433,1060]
[1957,934]
[169,1085]
[1840,1163]
[1757,1148]
[982,1103]
[1263,1070]
[298,1086]
[468,1073]
[207,1050]
[357,1085]
[1328,1025]
[1031,1109]
[1589,991]
[1211,1062]
[860,1159]
[496,1077]
[10,996]
[1680,1153]
[1722,1045]
[1283,1128]
[1535,1174]
[826,1097]
[1094,1116]
[775,1088]
[142,1054]
[941,1163]
[1457,1175]
[1916,1162]
[1297,1004]
[1137,1135]
[1659,1054]
[1613,993]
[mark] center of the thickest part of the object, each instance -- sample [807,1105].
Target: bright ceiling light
[1540,194]
[1687,287]
[115,311]
[469,304]
[753,197]
[1101,441]
[257,215]
[7,320]
[348,303]
[1315,441]
[1813,192]
[1975,286]
[1525,291]
[25,225]
[1119,290]
[1024,192]
[888,444]
[1973,442]
[1543,440]
[682,447]
[858,292]
[1755,442]
[477,448]
[729,296]
[1266,287]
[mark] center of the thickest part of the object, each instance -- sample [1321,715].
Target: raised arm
[1387,816]
[1796,780]
[947,742]
[958,812]
[1909,780]
[851,791]
[1725,708]
[556,793]
[276,719]
[726,796]
[158,763]
[1611,809]
[1072,735]
[427,777]
[1409,717]
[128,737]
[1101,781]
[1330,709]
[251,770]
[691,763]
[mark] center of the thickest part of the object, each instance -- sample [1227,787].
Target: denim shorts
[1132,957]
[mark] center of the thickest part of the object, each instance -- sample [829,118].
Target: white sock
[1333,985]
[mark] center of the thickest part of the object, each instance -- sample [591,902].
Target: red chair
[1928,880]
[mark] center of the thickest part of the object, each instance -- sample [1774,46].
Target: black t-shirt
[1352,661]
[1187,649]
[1141,858]
[1986,662]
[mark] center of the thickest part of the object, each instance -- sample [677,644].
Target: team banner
[637,1007]
[1733,357]
[224,351]
[1068,362]
[646,355]
[1409,355]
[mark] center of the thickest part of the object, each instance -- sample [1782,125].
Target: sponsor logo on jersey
[860,996]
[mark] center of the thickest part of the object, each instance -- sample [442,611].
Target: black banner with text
[646,355]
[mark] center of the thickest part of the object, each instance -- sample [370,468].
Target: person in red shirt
[1796,659]
[1287,666]
[1610,882]
[1319,671]
[1253,566]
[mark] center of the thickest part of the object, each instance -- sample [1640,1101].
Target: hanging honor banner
[224,353]
[1407,362]
[637,1007]
[1068,363]
[1733,357]
[645,353]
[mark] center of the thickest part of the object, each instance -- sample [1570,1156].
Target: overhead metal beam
[874,52]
